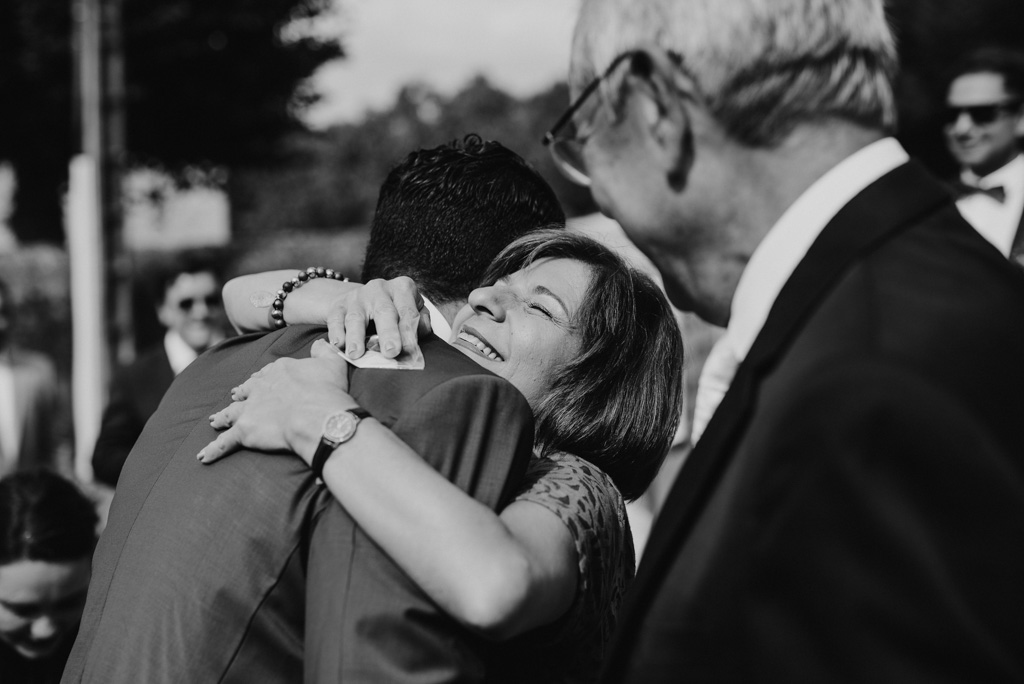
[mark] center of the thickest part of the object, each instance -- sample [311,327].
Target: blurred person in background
[47,537]
[189,307]
[854,507]
[28,400]
[984,120]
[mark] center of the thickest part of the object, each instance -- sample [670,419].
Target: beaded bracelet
[300,279]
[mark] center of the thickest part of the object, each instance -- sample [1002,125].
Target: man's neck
[778,176]
[769,181]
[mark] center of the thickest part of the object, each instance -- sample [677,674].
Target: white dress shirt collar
[1006,175]
[437,321]
[996,221]
[774,261]
[179,353]
[786,244]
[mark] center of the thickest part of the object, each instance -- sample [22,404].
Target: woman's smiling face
[522,328]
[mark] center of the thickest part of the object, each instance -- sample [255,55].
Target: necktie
[996,192]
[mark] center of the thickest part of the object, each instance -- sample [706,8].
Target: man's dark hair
[44,517]
[167,270]
[443,214]
[1006,62]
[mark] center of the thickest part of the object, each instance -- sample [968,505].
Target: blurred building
[161,216]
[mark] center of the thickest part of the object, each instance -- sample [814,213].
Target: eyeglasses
[562,141]
[980,115]
[188,303]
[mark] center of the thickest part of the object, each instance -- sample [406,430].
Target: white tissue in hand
[374,359]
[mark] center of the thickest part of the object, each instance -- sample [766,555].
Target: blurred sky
[521,46]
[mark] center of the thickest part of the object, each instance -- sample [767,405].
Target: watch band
[328,445]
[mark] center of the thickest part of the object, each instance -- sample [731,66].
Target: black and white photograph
[534,342]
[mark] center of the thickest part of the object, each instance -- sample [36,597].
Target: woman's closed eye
[540,309]
[559,319]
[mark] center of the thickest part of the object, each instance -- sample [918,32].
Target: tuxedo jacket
[855,509]
[248,571]
[957,187]
[36,409]
[135,392]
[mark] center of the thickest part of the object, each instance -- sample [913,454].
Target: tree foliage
[207,82]
[330,178]
[36,109]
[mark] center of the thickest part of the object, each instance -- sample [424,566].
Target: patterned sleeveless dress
[572,648]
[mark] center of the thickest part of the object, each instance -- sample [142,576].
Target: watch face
[339,427]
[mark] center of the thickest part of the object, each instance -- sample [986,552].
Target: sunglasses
[981,115]
[188,303]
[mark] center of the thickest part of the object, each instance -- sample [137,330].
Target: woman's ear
[662,111]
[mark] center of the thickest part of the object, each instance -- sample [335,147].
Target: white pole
[85,247]
[84,230]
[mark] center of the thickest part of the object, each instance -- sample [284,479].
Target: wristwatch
[338,428]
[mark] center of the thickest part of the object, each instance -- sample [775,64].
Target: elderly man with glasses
[983,121]
[189,307]
[854,509]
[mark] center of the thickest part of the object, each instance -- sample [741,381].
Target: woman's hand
[395,306]
[248,299]
[283,406]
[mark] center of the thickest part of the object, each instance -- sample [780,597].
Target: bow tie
[996,192]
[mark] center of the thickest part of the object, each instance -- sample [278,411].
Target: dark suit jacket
[855,509]
[201,573]
[135,392]
[36,408]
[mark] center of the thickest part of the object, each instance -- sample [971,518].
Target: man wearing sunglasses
[854,509]
[188,292]
[983,121]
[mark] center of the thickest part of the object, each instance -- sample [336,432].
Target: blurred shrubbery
[330,178]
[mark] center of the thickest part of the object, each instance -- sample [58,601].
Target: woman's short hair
[618,403]
[44,517]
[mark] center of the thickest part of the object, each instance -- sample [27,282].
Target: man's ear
[663,114]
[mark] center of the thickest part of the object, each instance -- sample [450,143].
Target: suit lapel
[1017,247]
[890,203]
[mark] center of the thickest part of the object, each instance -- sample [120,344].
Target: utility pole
[85,238]
[119,259]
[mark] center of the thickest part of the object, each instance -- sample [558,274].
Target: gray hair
[762,66]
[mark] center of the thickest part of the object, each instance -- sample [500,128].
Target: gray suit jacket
[247,571]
